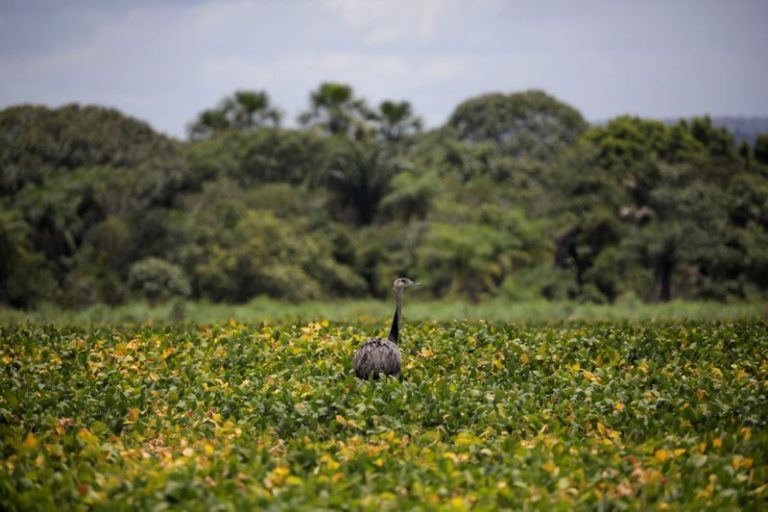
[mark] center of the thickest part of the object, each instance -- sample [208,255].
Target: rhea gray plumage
[379,356]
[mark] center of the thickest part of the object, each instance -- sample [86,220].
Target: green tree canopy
[242,110]
[529,123]
[358,177]
[334,109]
[156,279]
[396,120]
[37,143]
[514,196]
[761,148]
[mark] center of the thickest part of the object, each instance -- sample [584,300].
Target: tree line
[515,196]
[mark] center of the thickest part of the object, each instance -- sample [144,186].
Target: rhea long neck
[394,330]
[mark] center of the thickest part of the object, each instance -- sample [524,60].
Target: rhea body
[380,356]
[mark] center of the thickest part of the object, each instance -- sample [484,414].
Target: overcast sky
[165,61]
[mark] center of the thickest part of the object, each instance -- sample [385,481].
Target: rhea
[379,356]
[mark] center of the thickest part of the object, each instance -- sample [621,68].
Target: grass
[263,309]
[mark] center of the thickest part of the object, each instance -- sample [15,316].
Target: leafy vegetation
[515,197]
[486,416]
[264,309]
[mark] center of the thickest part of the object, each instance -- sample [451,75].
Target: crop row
[485,416]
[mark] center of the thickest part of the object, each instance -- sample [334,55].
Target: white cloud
[165,62]
[388,21]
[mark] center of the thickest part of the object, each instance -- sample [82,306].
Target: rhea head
[402,282]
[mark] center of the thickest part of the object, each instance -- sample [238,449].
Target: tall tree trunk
[663,280]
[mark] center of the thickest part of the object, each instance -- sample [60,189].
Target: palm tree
[359,178]
[248,109]
[243,110]
[334,109]
[209,122]
[396,119]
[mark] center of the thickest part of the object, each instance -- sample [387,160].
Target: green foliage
[650,209]
[627,307]
[576,416]
[411,196]
[100,267]
[513,197]
[335,110]
[24,276]
[242,111]
[235,251]
[761,148]
[263,156]
[358,178]
[37,143]
[529,123]
[156,279]
[718,141]
[396,120]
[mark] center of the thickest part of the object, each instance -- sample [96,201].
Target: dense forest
[515,196]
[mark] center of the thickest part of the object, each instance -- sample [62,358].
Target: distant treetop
[530,123]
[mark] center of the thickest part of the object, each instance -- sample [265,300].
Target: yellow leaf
[330,462]
[133,414]
[293,480]
[86,436]
[747,433]
[524,358]
[661,455]
[467,439]
[457,503]
[30,441]
[717,442]
[551,468]
[619,406]
[601,428]
[341,420]
[741,462]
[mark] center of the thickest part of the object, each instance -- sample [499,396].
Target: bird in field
[379,356]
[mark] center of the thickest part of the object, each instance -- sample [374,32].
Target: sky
[164,61]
